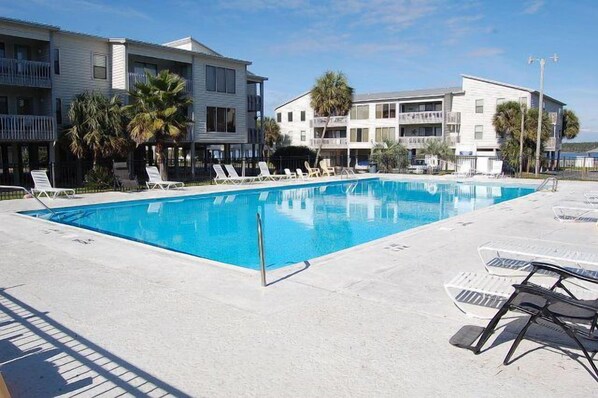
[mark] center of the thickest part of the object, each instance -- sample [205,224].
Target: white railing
[452,117]
[25,73]
[420,117]
[418,142]
[254,103]
[26,128]
[329,142]
[135,78]
[335,121]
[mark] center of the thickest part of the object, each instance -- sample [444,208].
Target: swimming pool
[300,222]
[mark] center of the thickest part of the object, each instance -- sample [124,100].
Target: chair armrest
[565,273]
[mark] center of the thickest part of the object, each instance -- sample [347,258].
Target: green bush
[100,178]
[292,157]
[390,155]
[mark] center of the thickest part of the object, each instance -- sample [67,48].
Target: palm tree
[330,96]
[390,155]
[97,126]
[159,111]
[271,131]
[508,123]
[440,149]
[570,124]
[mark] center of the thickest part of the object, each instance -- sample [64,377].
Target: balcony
[420,117]
[27,128]
[452,117]
[335,121]
[135,78]
[329,143]
[25,73]
[418,141]
[254,103]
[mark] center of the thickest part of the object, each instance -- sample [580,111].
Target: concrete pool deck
[87,314]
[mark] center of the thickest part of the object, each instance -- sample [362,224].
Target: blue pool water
[300,222]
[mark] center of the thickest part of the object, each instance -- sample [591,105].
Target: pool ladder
[16,187]
[544,184]
[260,246]
[349,172]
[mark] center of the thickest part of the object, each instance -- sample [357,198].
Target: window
[302,116]
[303,134]
[56,61]
[479,106]
[278,117]
[3,105]
[58,111]
[479,132]
[2,51]
[222,120]
[360,112]
[385,133]
[100,66]
[221,80]
[359,135]
[141,68]
[290,116]
[386,111]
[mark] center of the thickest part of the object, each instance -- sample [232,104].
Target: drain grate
[396,247]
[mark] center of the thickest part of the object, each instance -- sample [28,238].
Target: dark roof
[392,95]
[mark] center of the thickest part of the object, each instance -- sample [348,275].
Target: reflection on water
[299,224]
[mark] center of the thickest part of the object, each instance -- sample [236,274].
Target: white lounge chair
[496,170]
[290,174]
[513,257]
[576,212]
[42,186]
[480,295]
[483,165]
[326,168]
[265,173]
[463,170]
[155,180]
[312,172]
[234,176]
[301,174]
[221,176]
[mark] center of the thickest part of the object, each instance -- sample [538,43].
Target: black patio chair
[575,317]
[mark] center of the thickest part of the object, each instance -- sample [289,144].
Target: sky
[381,45]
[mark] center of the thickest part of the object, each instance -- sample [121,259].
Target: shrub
[100,178]
[390,155]
[292,157]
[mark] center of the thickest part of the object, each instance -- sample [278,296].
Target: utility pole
[523,110]
[542,61]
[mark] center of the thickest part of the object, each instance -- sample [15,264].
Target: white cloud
[533,6]
[486,52]
[93,7]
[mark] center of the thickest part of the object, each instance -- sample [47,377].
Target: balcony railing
[135,78]
[329,142]
[254,136]
[26,128]
[25,73]
[420,117]
[452,117]
[335,121]
[254,103]
[418,142]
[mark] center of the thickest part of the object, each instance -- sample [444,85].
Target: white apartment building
[42,68]
[461,116]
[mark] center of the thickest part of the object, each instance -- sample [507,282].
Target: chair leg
[519,337]
[489,329]
[571,334]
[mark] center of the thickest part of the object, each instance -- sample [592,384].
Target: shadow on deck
[41,357]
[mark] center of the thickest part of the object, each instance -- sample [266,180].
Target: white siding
[203,98]
[119,67]
[293,129]
[466,104]
[76,74]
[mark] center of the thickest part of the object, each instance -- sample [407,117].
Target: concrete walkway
[85,314]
